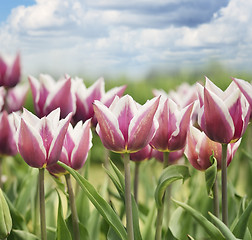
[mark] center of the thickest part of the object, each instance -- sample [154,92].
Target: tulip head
[173,126]
[48,95]
[10,75]
[200,148]
[125,126]
[223,116]
[7,130]
[77,143]
[40,141]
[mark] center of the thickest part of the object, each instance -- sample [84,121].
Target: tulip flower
[10,75]
[223,116]
[77,143]
[200,148]
[125,127]
[173,126]
[173,157]
[2,94]
[7,130]
[40,141]
[49,95]
[15,99]
[86,96]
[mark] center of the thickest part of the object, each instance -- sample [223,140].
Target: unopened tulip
[48,95]
[126,127]
[86,96]
[200,148]
[223,116]
[10,75]
[40,141]
[77,143]
[173,126]
[7,132]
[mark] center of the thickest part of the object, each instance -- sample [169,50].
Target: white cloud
[111,36]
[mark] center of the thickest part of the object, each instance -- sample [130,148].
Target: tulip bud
[5,217]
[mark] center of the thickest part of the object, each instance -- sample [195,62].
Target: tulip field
[168,158]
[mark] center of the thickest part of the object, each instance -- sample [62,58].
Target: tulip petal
[109,96]
[30,145]
[209,85]
[3,70]
[142,127]
[245,87]
[108,128]
[15,73]
[219,125]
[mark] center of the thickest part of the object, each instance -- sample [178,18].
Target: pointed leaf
[62,230]
[169,175]
[210,176]
[149,223]
[23,235]
[212,230]
[101,205]
[223,228]
[240,227]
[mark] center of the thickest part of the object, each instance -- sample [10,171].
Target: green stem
[136,180]
[1,162]
[129,218]
[216,198]
[224,184]
[160,213]
[42,203]
[75,220]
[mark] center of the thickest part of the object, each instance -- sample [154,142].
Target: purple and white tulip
[48,95]
[245,87]
[126,127]
[10,75]
[199,148]
[7,130]
[40,141]
[173,126]
[77,143]
[223,115]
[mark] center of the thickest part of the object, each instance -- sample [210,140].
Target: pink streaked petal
[53,118]
[30,118]
[58,140]
[209,85]
[30,145]
[109,96]
[159,92]
[160,139]
[46,133]
[80,151]
[108,128]
[15,73]
[219,125]
[245,87]
[230,90]
[231,150]
[200,91]
[124,111]
[177,140]
[141,128]
[3,70]
[114,103]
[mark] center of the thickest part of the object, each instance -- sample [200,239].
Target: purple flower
[173,126]
[48,95]
[144,154]
[40,141]
[172,158]
[223,116]
[7,130]
[199,148]
[77,143]
[125,126]
[10,75]
[245,87]
[86,96]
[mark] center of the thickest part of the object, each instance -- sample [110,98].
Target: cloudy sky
[112,36]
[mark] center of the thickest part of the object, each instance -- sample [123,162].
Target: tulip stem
[129,218]
[136,181]
[160,213]
[1,162]
[216,198]
[42,203]
[224,184]
[75,220]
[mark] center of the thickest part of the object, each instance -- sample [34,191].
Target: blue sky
[130,37]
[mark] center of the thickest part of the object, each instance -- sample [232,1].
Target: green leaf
[23,235]
[101,205]
[62,231]
[84,232]
[223,228]
[169,175]
[240,227]
[210,176]
[210,229]
[148,225]
[112,235]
